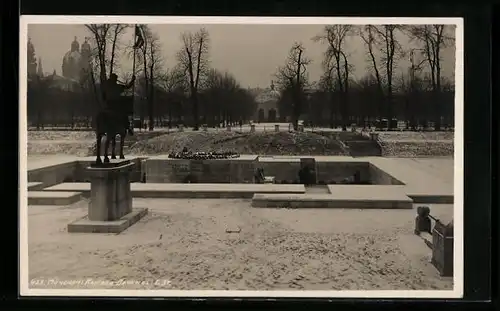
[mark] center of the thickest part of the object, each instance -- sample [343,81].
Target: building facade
[267,105]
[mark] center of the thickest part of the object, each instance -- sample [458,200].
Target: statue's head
[113,77]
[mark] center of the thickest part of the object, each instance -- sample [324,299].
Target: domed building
[267,108]
[76,61]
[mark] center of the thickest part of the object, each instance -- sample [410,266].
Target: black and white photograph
[246,157]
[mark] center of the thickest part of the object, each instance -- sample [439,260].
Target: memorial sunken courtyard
[222,231]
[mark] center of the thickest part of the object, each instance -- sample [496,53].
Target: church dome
[267,95]
[72,57]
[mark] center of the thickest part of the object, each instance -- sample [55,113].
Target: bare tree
[150,57]
[433,38]
[336,60]
[105,39]
[383,39]
[224,100]
[368,36]
[173,82]
[116,32]
[193,59]
[294,75]
[100,34]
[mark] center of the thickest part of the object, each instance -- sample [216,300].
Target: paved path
[186,242]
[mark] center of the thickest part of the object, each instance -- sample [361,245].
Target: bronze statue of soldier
[114,118]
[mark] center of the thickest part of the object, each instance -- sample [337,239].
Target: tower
[75,46]
[85,59]
[31,58]
[40,69]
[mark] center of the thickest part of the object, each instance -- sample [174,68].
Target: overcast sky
[251,53]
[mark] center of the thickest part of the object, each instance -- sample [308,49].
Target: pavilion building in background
[267,104]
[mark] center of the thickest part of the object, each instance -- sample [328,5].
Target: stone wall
[282,169]
[335,171]
[73,172]
[81,176]
[236,170]
[166,170]
[56,174]
[380,177]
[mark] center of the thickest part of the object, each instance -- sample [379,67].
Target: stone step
[431,198]
[53,197]
[35,186]
[171,190]
[341,196]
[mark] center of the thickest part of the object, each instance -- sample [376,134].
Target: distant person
[259,175]
[113,97]
[357,177]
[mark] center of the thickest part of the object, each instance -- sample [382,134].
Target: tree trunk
[437,100]
[151,108]
[194,102]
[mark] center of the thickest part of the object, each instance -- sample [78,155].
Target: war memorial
[268,202]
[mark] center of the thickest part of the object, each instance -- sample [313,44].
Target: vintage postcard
[241,157]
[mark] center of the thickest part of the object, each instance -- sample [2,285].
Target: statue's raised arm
[130,84]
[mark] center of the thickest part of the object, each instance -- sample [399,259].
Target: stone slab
[242,157]
[38,162]
[170,190]
[422,198]
[84,225]
[327,201]
[113,163]
[70,186]
[53,197]
[419,183]
[278,159]
[35,186]
[369,192]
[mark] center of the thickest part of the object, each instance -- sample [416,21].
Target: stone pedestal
[442,248]
[252,128]
[110,207]
[276,127]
